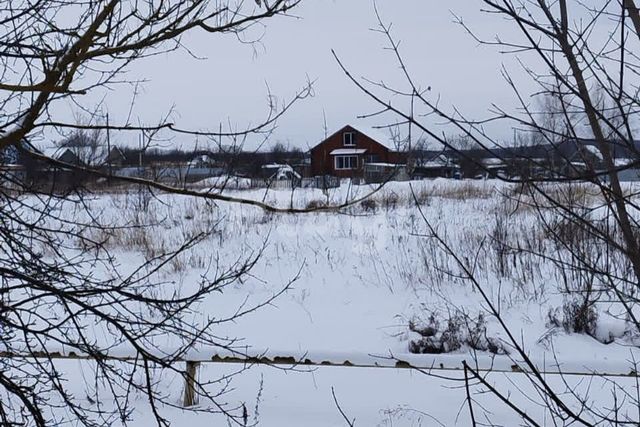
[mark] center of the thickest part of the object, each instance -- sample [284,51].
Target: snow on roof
[282,171]
[381,136]
[623,162]
[434,164]
[593,150]
[287,174]
[347,151]
[276,166]
[386,165]
[438,161]
[493,161]
[54,152]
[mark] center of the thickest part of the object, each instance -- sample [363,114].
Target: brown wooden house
[345,153]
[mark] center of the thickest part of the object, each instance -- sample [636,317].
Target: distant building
[279,172]
[63,154]
[345,153]
[115,157]
[435,166]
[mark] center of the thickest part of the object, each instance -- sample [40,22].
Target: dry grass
[145,225]
[463,190]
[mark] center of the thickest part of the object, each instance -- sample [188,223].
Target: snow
[435,164]
[359,277]
[384,165]
[594,151]
[282,171]
[494,162]
[225,181]
[373,397]
[347,151]
[382,136]
[53,152]
[618,162]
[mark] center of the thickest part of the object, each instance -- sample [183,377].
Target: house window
[348,138]
[346,162]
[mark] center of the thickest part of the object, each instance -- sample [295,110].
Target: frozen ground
[359,278]
[373,397]
[363,274]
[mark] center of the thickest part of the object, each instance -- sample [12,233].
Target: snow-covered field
[373,397]
[360,276]
[358,279]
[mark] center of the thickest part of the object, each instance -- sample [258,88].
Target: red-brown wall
[322,163]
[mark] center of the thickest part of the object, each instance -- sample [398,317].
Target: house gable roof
[374,134]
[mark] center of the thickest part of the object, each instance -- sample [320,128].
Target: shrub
[421,197]
[463,191]
[316,204]
[574,316]
[369,205]
[390,201]
[500,242]
[460,330]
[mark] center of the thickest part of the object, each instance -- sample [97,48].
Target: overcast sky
[230,85]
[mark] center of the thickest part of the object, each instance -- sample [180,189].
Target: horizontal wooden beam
[290,361]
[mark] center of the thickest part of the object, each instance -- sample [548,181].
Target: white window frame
[353,164]
[352,139]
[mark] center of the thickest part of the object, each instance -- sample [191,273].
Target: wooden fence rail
[190,395]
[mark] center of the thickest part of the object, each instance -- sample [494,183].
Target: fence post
[190,396]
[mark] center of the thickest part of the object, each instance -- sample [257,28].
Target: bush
[390,201]
[421,197]
[316,204]
[460,331]
[462,191]
[574,316]
[369,205]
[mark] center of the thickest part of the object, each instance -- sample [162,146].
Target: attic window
[348,139]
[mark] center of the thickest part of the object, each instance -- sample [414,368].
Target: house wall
[322,163]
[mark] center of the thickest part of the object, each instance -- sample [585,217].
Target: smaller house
[280,173]
[585,157]
[303,166]
[495,167]
[202,161]
[63,154]
[48,177]
[115,157]
[437,166]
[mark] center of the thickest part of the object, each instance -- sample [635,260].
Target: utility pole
[411,121]
[109,146]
